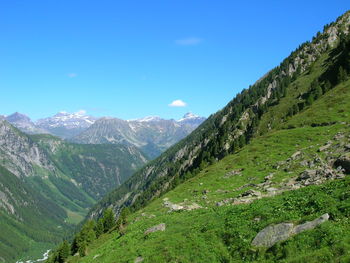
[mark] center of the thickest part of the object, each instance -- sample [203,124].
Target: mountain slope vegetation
[48,185]
[277,153]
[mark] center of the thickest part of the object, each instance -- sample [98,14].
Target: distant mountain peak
[67,124]
[191,118]
[190,115]
[24,123]
[149,119]
[16,117]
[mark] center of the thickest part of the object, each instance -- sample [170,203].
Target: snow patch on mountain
[67,120]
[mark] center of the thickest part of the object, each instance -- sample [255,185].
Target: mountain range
[151,134]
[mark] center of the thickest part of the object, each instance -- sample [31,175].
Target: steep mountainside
[310,71]
[288,177]
[47,181]
[152,134]
[263,180]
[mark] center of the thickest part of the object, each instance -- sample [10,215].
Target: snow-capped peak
[189,115]
[148,119]
[68,120]
[191,119]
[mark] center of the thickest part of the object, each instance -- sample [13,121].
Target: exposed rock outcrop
[160,227]
[275,233]
[344,163]
[181,206]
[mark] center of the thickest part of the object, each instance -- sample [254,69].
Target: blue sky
[131,59]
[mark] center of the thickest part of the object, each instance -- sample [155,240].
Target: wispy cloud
[72,75]
[81,112]
[189,41]
[178,103]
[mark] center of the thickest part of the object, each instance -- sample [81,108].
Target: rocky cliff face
[19,153]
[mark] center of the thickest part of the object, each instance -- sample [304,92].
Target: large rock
[272,234]
[310,224]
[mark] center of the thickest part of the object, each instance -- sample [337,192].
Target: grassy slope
[43,215]
[223,234]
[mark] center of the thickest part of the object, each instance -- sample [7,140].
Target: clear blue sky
[130,59]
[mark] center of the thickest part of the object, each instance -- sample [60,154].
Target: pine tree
[99,228]
[82,249]
[341,75]
[108,219]
[63,252]
[87,232]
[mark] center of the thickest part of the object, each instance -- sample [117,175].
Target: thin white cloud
[189,41]
[81,112]
[72,75]
[178,103]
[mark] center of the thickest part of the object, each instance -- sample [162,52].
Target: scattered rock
[344,162]
[272,234]
[339,136]
[295,155]
[222,191]
[225,201]
[244,186]
[306,175]
[148,215]
[193,206]
[304,163]
[323,148]
[182,206]
[251,193]
[138,259]
[220,203]
[233,173]
[173,207]
[268,177]
[160,227]
[271,189]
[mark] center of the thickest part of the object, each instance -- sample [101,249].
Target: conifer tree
[108,219]
[99,228]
